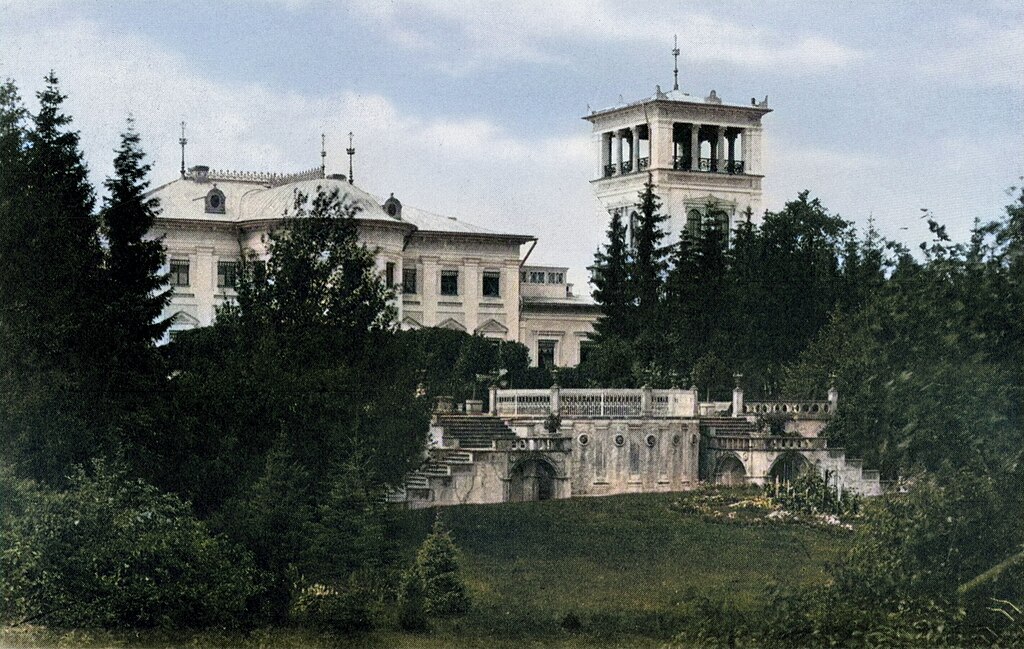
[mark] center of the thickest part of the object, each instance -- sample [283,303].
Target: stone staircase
[727,426]
[477,432]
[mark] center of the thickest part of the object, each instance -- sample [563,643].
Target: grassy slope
[623,565]
[629,567]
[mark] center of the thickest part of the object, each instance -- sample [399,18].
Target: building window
[536,277]
[389,274]
[556,278]
[523,277]
[215,201]
[179,272]
[492,284]
[409,280]
[546,353]
[449,282]
[227,274]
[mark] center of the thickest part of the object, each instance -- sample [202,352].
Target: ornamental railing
[734,167]
[533,444]
[595,403]
[263,177]
[609,170]
[627,166]
[810,408]
[745,443]
[642,164]
[704,164]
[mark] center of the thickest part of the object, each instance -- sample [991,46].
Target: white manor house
[704,157]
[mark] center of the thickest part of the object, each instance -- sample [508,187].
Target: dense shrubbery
[809,493]
[110,551]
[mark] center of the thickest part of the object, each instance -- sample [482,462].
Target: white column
[430,291]
[510,296]
[471,292]
[694,147]
[634,153]
[603,151]
[660,136]
[617,152]
[752,149]
[720,149]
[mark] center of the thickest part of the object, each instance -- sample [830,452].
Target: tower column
[720,150]
[732,152]
[635,148]
[694,147]
[617,152]
[604,146]
[752,150]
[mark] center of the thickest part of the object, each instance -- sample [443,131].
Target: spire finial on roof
[323,155]
[351,151]
[675,62]
[182,141]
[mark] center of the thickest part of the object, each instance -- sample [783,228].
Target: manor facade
[446,272]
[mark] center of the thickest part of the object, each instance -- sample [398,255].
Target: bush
[114,552]
[437,563]
[810,494]
[412,615]
[343,610]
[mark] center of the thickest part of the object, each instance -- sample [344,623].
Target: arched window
[215,201]
[693,222]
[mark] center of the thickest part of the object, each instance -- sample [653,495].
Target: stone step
[417,480]
[452,457]
[435,470]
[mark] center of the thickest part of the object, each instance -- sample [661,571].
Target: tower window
[389,274]
[492,284]
[409,280]
[179,272]
[227,274]
[556,278]
[449,282]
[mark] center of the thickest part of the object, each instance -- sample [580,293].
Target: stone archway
[730,472]
[532,479]
[787,467]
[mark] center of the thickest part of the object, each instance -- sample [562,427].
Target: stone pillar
[492,399]
[510,296]
[556,406]
[203,281]
[617,152]
[470,292]
[634,150]
[694,147]
[646,401]
[604,152]
[833,399]
[430,291]
[720,150]
[737,396]
[731,139]
[752,149]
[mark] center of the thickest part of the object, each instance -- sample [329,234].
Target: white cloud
[979,53]
[487,34]
[473,168]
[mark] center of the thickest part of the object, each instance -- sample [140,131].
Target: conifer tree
[51,296]
[610,275]
[647,270]
[438,564]
[133,261]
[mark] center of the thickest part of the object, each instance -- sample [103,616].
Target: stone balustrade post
[556,405]
[694,147]
[737,396]
[833,399]
[646,401]
[492,397]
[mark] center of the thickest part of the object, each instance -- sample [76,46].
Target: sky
[472,108]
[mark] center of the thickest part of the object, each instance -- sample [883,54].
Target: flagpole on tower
[182,141]
[675,63]
[351,151]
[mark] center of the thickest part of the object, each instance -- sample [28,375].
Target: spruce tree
[647,270]
[437,562]
[610,275]
[134,261]
[51,297]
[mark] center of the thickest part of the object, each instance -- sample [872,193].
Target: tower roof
[678,96]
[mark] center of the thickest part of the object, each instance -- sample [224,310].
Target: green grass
[623,565]
[629,568]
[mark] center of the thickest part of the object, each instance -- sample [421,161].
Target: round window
[675,440]
[652,440]
[584,439]
[215,201]
[620,440]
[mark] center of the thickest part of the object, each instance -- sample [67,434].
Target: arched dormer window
[393,207]
[215,201]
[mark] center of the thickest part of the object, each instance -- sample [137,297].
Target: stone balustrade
[595,403]
[796,408]
[546,444]
[747,443]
